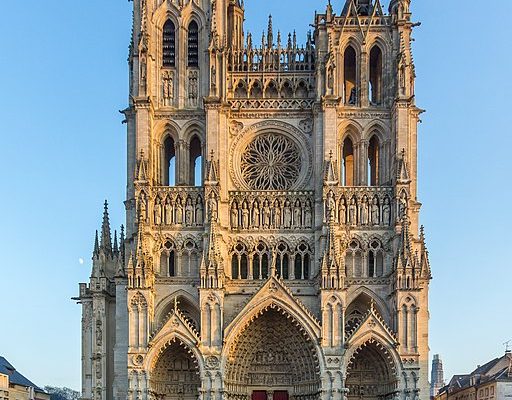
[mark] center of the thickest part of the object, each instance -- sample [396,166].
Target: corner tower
[273,247]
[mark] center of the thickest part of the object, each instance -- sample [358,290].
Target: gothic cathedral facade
[272,247]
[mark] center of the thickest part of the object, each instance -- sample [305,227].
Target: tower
[273,247]
[437,376]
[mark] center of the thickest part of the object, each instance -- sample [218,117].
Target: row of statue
[366,211]
[277,214]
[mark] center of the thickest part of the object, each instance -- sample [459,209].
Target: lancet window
[283,261]
[169,44]
[375,76]
[354,260]
[196,162]
[169,164]
[375,260]
[350,76]
[347,167]
[373,161]
[168,260]
[239,262]
[260,261]
[193,44]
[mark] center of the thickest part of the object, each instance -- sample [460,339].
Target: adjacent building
[492,381]
[14,386]
[273,247]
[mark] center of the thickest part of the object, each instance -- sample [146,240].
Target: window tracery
[271,162]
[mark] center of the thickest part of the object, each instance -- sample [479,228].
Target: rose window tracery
[271,162]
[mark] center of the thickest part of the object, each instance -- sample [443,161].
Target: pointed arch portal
[273,355]
[175,375]
[371,373]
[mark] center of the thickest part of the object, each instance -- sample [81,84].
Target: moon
[81,261]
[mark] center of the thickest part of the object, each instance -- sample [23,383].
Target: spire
[106,240]
[96,250]
[270,33]
[212,175]
[122,244]
[330,264]
[330,177]
[116,246]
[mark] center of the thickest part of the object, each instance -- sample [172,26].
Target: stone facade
[272,245]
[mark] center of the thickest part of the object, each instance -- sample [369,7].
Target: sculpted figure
[375,212]
[179,212]
[212,207]
[342,211]
[256,215]
[352,212]
[168,211]
[266,217]
[189,212]
[158,211]
[297,215]
[331,207]
[364,211]
[199,211]
[308,215]
[287,215]
[143,208]
[386,212]
[278,221]
[402,205]
[234,215]
[245,216]
[352,98]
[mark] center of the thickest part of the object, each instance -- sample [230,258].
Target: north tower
[272,247]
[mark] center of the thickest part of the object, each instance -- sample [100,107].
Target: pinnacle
[106,240]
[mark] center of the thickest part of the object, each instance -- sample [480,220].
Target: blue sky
[63,75]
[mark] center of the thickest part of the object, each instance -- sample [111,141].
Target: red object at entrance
[259,395]
[280,395]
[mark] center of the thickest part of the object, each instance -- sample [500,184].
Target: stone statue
[199,211]
[189,212]
[342,211]
[386,212]
[158,211]
[308,215]
[331,207]
[402,205]
[375,212]
[245,216]
[256,215]
[143,207]
[212,207]
[287,215]
[234,215]
[168,211]
[277,216]
[352,212]
[364,211]
[297,215]
[99,333]
[266,217]
[179,212]
[168,89]
[352,98]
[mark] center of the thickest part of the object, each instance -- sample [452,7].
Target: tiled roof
[14,376]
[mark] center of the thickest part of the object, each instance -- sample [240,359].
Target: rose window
[271,162]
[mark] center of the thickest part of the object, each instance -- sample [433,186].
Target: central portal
[264,395]
[273,359]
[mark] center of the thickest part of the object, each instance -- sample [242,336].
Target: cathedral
[272,248]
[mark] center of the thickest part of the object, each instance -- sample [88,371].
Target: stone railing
[264,59]
[271,104]
[271,210]
[361,206]
[179,206]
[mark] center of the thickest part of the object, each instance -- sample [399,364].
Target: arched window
[193,44]
[375,260]
[169,162]
[169,44]
[347,166]
[373,161]
[354,260]
[350,76]
[256,90]
[271,91]
[196,162]
[168,260]
[302,265]
[239,262]
[172,262]
[283,261]
[260,262]
[375,76]
[189,264]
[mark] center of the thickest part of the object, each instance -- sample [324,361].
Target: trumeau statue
[247,271]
